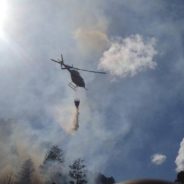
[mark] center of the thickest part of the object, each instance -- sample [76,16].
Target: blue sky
[126,116]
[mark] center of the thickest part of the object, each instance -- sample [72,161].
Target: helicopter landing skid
[73,86]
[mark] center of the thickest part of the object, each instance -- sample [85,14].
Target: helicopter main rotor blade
[68,66]
[89,70]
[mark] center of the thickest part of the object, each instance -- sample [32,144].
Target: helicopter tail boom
[56,61]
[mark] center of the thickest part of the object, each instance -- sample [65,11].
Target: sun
[3,16]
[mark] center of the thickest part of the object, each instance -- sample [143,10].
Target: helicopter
[77,80]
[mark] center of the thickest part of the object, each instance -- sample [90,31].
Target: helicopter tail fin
[62,60]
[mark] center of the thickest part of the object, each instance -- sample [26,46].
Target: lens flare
[3,16]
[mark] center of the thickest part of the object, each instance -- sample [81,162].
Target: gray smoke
[37,105]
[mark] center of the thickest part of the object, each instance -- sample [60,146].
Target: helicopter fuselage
[76,78]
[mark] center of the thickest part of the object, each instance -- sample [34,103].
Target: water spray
[76,116]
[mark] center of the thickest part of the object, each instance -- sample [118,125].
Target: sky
[130,120]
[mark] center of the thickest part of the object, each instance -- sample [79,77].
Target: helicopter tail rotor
[59,61]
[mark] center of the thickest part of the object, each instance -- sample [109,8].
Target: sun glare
[3,16]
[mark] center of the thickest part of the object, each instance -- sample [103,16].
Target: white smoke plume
[67,117]
[180,157]
[158,159]
[129,56]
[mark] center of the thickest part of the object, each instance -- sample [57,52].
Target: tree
[26,172]
[53,166]
[78,172]
[54,154]
[101,179]
[180,177]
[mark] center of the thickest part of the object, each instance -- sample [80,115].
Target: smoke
[158,159]
[19,142]
[67,117]
[129,56]
[180,157]
[91,41]
[33,88]
[62,114]
[7,175]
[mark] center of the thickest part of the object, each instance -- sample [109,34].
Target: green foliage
[78,172]
[26,172]
[53,166]
[54,154]
[180,177]
[51,171]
